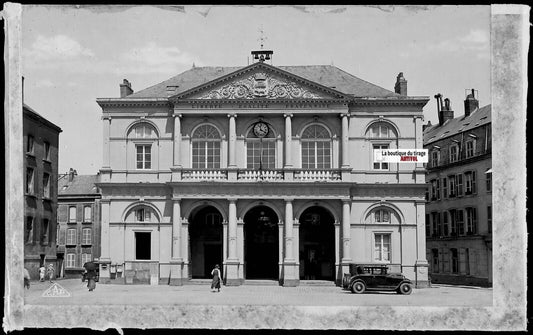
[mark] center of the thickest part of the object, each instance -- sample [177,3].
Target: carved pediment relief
[261,85]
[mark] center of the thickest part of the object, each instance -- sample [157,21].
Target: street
[200,294]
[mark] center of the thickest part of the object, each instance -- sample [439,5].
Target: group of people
[90,274]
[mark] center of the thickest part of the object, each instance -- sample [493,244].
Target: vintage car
[375,277]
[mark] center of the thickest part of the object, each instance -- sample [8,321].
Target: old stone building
[459,207]
[41,142]
[78,230]
[266,170]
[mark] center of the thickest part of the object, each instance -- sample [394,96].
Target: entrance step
[261,282]
[317,283]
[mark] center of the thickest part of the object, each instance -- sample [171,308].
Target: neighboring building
[41,142]
[78,219]
[265,170]
[459,207]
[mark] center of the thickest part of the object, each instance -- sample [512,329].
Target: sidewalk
[113,294]
[194,294]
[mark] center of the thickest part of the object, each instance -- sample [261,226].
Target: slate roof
[30,111]
[80,185]
[326,75]
[458,125]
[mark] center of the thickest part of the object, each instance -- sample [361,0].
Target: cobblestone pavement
[200,294]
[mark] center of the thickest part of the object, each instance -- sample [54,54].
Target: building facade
[78,218]
[459,207]
[41,142]
[267,171]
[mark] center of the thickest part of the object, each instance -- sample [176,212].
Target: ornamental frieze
[261,85]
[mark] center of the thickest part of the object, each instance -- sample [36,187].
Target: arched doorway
[261,245]
[317,244]
[205,240]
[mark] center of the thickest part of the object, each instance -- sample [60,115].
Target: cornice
[137,102]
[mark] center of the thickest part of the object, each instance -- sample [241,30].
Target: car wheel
[405,288]
[358,287]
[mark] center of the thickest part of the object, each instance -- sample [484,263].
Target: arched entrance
[317,244]
[261,245]
[205,240]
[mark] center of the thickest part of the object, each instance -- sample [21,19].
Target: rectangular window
[70,261]
[44,232]
[206,154]
[489,219]
[86,237]
[433,189]
[71,236]
[454,153]
[72,214]
[46,185]
[261,154]
[86,257]
[435,257]
[435,157]
[455,260]
[453,220]
[445,227]
[382,252]
[144,156]
[460,221]
[377,165]
[29,146]
[87,213]
[459,191]
[438,188]
[488,181]
[29,230]
[444,182]
[451,182]
[471,221]
[470,148]
[29,181]
[47,151]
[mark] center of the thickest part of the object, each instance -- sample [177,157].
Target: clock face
[260,129]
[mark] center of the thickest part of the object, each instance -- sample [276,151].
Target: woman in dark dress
[215,284]
[90,273]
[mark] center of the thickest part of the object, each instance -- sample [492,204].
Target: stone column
[177,141]
[185,248]
[176,262]
[338,273]
[290,270]
[105,257]
[346,235]
[232,140]
[420,171]
[107,144]
[288,139]
[421,264]
[232,262]
[344,138]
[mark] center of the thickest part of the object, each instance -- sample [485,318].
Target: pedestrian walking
[26,279]
[215,283]
[51,272]
[42,271]
[90,274]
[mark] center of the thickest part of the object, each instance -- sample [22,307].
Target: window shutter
[462,263]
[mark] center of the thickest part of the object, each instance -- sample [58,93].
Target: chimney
[471,103]
[424,126]
[125,89]
[447,112]
[71,174]
[401,85]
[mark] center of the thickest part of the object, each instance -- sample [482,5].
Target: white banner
[400,155]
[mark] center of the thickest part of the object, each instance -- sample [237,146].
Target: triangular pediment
[260,81]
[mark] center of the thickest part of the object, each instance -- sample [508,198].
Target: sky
[73,55]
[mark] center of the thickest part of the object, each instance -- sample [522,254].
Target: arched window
[381,134]
[142,214]
[382,214]
[206,147]
[316,148]
[143,131]
[261,151]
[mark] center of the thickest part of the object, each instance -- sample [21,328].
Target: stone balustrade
[204,175]
[317,175]
[260,175]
